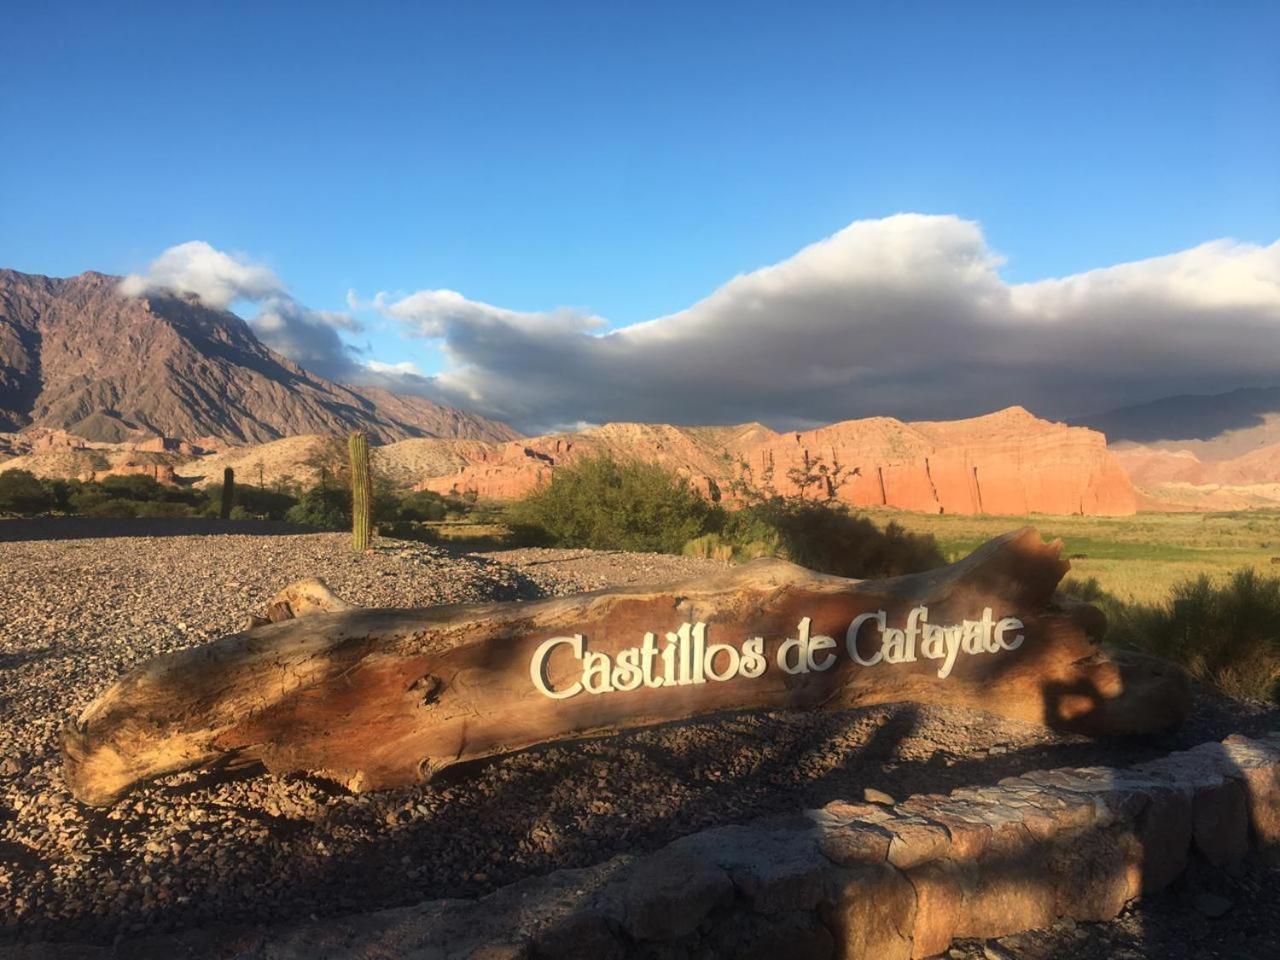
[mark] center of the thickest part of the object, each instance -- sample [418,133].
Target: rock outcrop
[1009,462]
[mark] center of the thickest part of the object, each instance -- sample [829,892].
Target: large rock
[873,914]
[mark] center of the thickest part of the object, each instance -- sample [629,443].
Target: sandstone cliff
[1008,462]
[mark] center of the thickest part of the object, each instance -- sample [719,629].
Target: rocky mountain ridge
[75,355]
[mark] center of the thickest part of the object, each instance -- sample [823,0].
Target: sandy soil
[198,848]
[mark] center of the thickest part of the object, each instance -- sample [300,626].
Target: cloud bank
[905,316]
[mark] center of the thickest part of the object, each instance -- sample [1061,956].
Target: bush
[250,501]
[1226,635]
[22,492]
[116,509]
[422,506]
[608,504]
[133,486]
[407,530]
[322,506]
[829,539]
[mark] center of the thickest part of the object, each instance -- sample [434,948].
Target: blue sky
[625,159]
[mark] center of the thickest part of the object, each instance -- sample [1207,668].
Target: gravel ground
[198,848]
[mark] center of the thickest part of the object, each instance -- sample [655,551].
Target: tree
[22,492]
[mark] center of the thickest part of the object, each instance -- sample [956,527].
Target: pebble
[199,848]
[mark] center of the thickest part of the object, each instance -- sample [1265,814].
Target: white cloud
[306,336]
[404,367]
[217,278]
[905,316]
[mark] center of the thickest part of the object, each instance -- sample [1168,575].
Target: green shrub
[117,509]
[61,491]
[260,502]
[1227,635]
[828,538]
[133,486]
[422,505]
[322,506]
[22,492]
[407,530]
[607,504]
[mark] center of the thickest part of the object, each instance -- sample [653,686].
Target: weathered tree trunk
[379,698]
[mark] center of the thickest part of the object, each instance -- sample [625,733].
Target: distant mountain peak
[75,355]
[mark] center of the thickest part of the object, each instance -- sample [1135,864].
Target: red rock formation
[165,445]
[1008,462]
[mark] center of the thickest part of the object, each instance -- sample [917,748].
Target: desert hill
[77,356]
[1212,426]
[1200,452]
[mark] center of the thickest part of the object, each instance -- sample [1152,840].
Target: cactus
[361,492]
[228,493]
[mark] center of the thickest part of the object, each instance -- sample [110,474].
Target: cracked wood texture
[381,698]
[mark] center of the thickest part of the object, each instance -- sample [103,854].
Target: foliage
[814,480]
[408,530]
[422,505]
[828,538]
[134,486]
[107,507]
[250,502]
[610,504]
[1227,635]
[325,506]
[22,492]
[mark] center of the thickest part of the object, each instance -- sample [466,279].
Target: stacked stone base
[853,880]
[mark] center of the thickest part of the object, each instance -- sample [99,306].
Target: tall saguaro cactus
[228,493]
[361,491]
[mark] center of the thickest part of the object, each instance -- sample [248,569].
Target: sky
[559,213]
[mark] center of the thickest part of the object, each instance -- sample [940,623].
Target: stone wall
[859,881]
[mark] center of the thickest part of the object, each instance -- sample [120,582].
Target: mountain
[1212,426]
[77,356]
[1200,451]
[1008,462]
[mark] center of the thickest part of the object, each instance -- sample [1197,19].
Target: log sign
[687,658]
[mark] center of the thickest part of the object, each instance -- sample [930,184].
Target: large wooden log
[380,698]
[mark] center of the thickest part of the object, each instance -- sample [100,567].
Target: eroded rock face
[1009,462]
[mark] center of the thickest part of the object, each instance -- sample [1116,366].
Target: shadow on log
[381,698]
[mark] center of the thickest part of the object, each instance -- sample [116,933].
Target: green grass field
[1133,558]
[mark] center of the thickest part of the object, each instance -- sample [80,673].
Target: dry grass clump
[1227,634]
